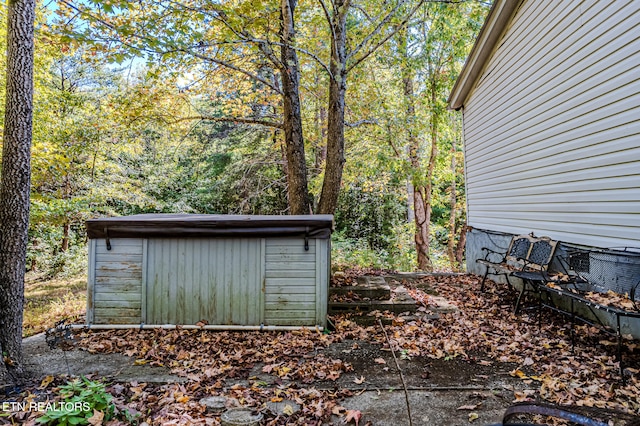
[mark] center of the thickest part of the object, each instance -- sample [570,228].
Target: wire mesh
[614,270]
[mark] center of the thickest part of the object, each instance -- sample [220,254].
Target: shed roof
[497,21]
[162,225]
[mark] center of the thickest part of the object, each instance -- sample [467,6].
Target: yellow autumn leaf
[473,416]
[46,382]
[519,373]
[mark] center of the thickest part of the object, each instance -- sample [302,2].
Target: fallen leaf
[337,410]
[468,407]
[473,416]
[182,399]
[379,361]
[359,381]
[353,415]
[96,419]
[46,382]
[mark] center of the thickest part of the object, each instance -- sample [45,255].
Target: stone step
[397,303]
[368,287]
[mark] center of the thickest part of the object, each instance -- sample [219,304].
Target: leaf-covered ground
[483,330]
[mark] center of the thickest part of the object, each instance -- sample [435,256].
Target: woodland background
[150,106]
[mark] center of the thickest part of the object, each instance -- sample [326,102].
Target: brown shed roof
[204,225]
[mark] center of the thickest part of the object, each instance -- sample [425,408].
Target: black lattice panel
[609,270]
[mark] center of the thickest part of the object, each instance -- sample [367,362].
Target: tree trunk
[453,201]
[65,236]
[14,187]
[335,120]
[297,190]
[462,241]
[421,196]
[319,147]
[428,186]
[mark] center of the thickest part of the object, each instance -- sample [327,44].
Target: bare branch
[242,120]
[376,30]
[364,12]
[384,40]
[361,122]
[327,15]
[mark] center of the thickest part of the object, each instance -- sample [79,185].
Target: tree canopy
[252,106]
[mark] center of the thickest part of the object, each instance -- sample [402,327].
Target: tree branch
[327,15]
[384,40]
[361,122]
[376,30]
[265,123]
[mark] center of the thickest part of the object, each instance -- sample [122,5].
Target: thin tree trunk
[297,190]
[420,196]
[453,201]
[65,236]
[34,264]
[320,150]
[462,241]
[411,216]
[335,124]
[433,127]
[14,186]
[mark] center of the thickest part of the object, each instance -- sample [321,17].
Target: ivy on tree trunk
[14,187]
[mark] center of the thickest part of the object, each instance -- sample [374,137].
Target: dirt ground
[385,387]
[439,392]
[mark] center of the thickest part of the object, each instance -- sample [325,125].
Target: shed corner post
[91,281]
[263,280]
[323,254]
[144,284]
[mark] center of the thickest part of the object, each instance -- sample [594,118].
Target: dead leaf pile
[482,330]
[485,326]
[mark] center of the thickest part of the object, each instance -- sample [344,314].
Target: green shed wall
[223,281]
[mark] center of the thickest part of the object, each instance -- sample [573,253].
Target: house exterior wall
[552,126]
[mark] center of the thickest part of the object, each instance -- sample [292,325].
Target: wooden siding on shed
[223,281]
[218,280]
[115,281]
[552,127]
[293,294]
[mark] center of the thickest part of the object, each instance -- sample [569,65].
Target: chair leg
[484,278]
[517,308]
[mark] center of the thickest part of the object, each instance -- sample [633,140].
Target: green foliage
[80,398]
[134,138]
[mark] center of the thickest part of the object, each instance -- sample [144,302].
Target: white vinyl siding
[552,127]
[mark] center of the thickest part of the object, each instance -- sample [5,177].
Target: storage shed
[226,270]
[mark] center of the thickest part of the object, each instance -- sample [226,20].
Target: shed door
[218,280]
[294,292]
